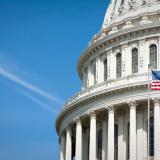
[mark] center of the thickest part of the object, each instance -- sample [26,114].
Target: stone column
[89,75]
[126,60]
[90,80]
[78,140]
[63,146]
[109,64]
[99,70]
[110,132]
[68,144]
[85,77]
[120,136]
[92,145]
[156,128]
[112,60]
[140,134]
[132,140]
[104,139]
[142,57]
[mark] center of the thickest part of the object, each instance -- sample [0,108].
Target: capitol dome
[108,118]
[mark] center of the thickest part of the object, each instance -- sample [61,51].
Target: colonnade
[132,135]
[93,72]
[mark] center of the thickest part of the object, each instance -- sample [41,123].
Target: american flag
[155,85]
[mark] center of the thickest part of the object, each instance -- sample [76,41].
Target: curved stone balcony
[108,86]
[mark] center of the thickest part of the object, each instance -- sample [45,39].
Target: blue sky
[40,43]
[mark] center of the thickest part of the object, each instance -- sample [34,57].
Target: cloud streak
[40,103]
[31,87]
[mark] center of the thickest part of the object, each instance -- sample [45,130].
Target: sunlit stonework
[108,118]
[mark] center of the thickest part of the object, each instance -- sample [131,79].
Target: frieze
[106,47]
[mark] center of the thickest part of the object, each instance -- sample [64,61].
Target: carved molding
[110,109]
[132,104]
[92,115]
[156,101]
[77,121]
[86,57]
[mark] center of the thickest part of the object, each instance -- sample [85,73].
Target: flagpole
[149,67]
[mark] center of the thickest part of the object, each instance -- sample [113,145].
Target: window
[105,70]
[135,60]
[118,65]
[153,56]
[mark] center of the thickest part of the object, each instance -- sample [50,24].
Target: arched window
[105,70]
[153,56]
[118,65]
[135,60]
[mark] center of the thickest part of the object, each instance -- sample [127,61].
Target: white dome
[119,10]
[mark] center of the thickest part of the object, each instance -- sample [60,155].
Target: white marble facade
[108,118]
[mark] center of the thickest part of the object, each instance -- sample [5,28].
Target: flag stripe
[155,85]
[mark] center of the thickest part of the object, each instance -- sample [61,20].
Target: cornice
[95,96]
[107,42]
[117,102]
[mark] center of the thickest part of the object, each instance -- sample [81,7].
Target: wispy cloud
[11,76]
[40,103]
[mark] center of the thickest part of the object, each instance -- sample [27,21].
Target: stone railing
[110,85]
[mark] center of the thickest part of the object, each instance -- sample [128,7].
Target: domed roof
[119,10]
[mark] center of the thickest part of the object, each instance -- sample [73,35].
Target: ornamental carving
[145,20]
[132,104]
[78,121]
[144,2]
[156,101]
[123,66]
[92,115]
[141,62]
[132,4]
[121,10]
[110,109]
[108,72]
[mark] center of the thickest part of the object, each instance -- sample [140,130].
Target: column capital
[68,128]
[77,121]
[92,115]
[132,104]
[156,101]
[110,109]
